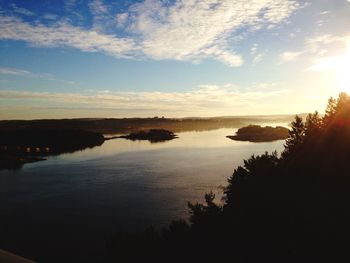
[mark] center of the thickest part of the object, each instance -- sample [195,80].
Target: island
[25,145]
[153,135]
[257,133]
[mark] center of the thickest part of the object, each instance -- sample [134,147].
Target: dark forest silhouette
[127,125]
[20,146]
[293,208]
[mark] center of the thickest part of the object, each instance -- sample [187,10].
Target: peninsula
[25,145]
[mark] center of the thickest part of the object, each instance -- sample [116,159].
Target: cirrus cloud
[28,74]
[181,30]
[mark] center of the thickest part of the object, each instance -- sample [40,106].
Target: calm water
[69,205]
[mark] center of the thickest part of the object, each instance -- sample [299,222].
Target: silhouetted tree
[296,135]
[293,208]
[330,110]
[313,124]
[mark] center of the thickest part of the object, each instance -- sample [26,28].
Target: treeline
[25,145]
[289,208]
[57,141]
[127,125]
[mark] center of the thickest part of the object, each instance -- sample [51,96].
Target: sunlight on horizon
[338,66]
[343,75]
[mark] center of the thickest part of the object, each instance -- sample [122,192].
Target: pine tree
[313,124]
[296,135]
[330,111]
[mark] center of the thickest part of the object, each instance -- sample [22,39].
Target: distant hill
[127,125]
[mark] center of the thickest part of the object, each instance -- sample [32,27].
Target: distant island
[25,145]
[256,133]
[153,135]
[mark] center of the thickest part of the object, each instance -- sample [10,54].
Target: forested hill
[293,208]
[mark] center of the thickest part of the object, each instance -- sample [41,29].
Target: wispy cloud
[103,20]
[257,56]
[181,30]
[192,30]
[64,34]
[317,49]
[21,11]
[49,16]
[14,72]
[69,4]
[289,56]
[206,100]
[29,74]
[320,44]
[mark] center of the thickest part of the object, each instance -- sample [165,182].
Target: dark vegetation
[292,208]
[11,161]
[153,135]
[31,144]
[256,133]
[26,145]
[127,125]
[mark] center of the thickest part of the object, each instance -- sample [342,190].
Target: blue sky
[99,58]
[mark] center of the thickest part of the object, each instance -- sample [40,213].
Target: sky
[172,58]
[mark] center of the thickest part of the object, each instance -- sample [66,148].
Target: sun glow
[343,71]
[340,66]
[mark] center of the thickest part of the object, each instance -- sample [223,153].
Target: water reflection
[81,198]
[192,140]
